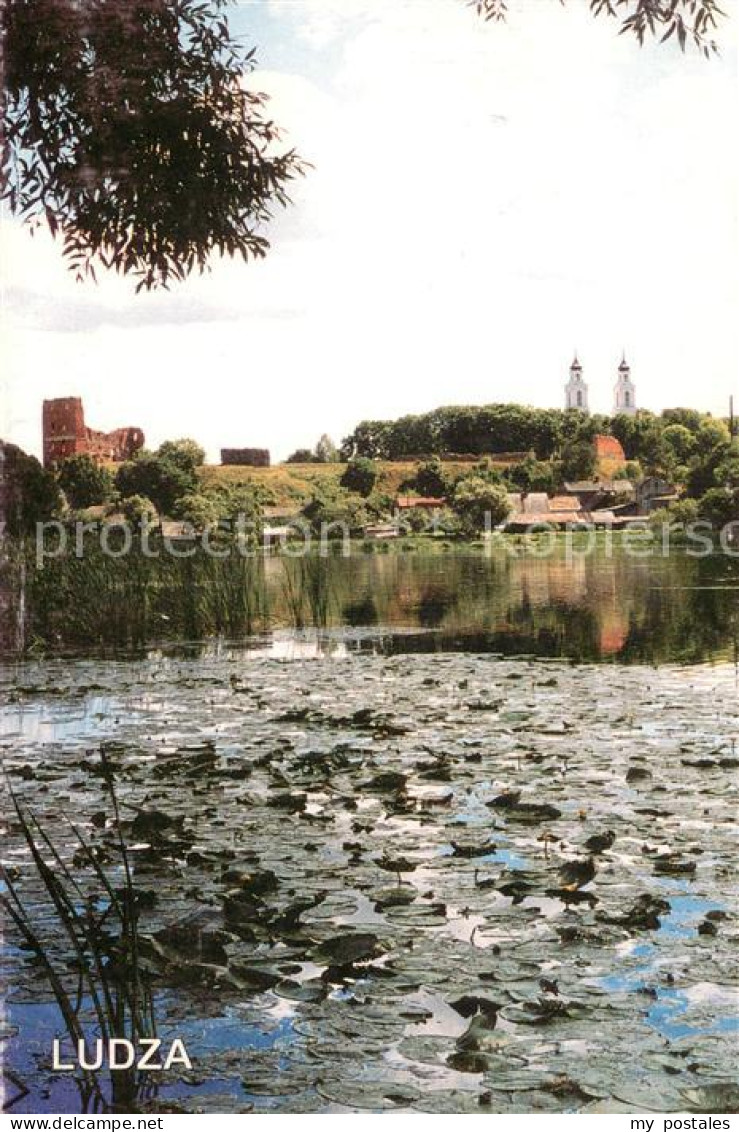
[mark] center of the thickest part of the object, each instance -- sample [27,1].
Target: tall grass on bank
[307,590]
[104,988]
[131,599]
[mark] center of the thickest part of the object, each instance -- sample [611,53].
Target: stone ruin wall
[246,457]
[66,434]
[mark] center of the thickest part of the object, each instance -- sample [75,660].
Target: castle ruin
[66,434]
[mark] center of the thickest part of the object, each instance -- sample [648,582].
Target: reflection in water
[591,607]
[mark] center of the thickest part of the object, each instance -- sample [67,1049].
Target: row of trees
[659,442]
[154,485]
[477,429]
[695,450]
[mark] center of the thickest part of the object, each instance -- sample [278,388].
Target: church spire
[624,392]
[576,390]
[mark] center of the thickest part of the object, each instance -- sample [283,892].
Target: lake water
[407,786]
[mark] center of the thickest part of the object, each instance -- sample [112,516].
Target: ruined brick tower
[65,434]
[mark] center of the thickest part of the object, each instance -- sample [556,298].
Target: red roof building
[609,448]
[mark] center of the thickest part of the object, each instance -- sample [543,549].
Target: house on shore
[653,493]
[558,511]
[381,531]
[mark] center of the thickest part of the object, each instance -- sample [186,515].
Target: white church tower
[576,391]
[624,393]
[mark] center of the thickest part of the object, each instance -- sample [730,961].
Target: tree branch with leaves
[691,21]
[130,130]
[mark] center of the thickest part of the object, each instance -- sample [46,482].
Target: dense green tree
[184,453]
[680,441]
[230,502]
[331,507]
[301,456]
[578,461]
[369,439]
[711,435]
[635,432]
[461,429]
[198,509]
[704,468]
[130,131]
[719,506]
[360,476]
[632,471]
[160,480]
[535,475]
[84,481]
[690,419]
[479,505]
[137,509]
[31,492]
[430,480]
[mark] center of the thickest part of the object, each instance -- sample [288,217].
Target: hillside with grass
[293,485]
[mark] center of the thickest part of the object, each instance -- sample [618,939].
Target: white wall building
[624,392]
[576,390]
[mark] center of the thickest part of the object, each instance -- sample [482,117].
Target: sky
[484,200]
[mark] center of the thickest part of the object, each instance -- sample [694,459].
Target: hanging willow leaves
[130,131]
[688,20]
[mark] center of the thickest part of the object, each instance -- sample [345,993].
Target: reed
[105,987]
[307,590]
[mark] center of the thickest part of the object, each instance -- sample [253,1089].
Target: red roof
[608,446]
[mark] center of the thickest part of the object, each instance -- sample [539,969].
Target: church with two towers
[624,392]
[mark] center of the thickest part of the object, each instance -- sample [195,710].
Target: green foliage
[84,481]
[713,464]
[719,506]
[360,476]
[330,505]
[326,451]
[680,440]
[631,471]
[137,508]
[535,475]
[727,471]
[380,504]
[198,509]
[32,493]
[578,461]
[689,418]
[430,480]
[479,505]
[130,131]
[710,435]
[232,501]
[683,512]
[370,439]
[184,453]
[160,480]
[480,429]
